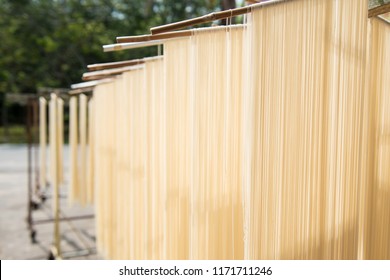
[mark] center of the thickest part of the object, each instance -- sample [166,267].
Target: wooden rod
[99,77]
[94,78]
[169,35]
[120,64]
[380,10]
[152,39]
[89,84]
[80,90]
[107,72]
[124,46]
[63,218]
[86,87]
[199,20]
[110,65]
[383,19]
[146,38]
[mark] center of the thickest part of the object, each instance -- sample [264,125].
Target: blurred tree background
[49,43]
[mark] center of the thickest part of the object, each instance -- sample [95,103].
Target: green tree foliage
[49,43]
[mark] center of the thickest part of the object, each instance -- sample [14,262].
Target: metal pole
[54,133]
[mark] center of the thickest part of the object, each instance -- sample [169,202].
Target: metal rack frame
[37,195]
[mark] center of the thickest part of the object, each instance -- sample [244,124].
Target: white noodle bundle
[376,213]
[60,139]
[90,161]
[303,133]
[53,139]
[264,142]
[73,142]
[104,128]
[42,141]
[82,174]
[215,101]
[155,159]
[177,165]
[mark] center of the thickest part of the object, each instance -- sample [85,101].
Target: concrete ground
[77,237]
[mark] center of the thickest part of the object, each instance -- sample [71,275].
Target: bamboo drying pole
[106,73]
[89,84]
[150,40]
[380,10]
[99,77]
[199,20]
[115,70]
[145,38]
[124,46]
[87,87]
[110,65]
[80,90]
[120,64]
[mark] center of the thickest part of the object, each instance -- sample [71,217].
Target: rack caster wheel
[34,205]
[51,256]
[33,235]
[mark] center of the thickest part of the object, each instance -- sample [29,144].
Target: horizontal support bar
[125,46]
[50,220]
[110,65]
[380,10]
[81,90]
[145,38]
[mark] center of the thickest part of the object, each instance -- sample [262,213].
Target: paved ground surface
[15,242]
